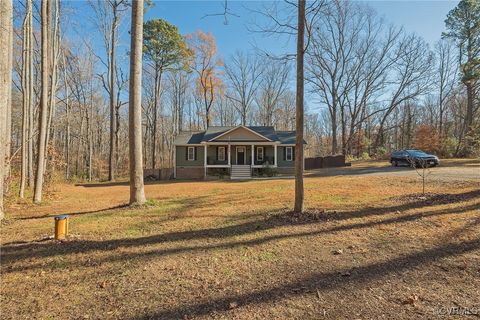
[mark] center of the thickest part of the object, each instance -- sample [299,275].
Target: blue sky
[426,18]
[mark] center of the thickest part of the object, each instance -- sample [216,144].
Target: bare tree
[243,73]
[42,123]
[54,52]
[108,17]
[275,81]
[67,117]
[8,131]
[6,49]
[179,83]
[224,108]
[446,78]
[422,168]
[299,193]
[412,78]
[346,63]
[206,63]
[137,194]
[27,90]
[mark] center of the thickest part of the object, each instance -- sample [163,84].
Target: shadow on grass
[242,229]
[183,203]
[158,182]
[15,253]
[77,213]
[318,282]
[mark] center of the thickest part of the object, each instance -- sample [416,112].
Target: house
[238,152]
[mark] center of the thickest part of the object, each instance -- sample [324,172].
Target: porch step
[240,172]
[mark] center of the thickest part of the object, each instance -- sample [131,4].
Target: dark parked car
[413,157]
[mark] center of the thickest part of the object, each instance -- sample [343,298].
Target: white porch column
[229,155]
[205,160]
[275,154]
[252,162]
[253,153]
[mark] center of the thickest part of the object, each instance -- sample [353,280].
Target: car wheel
[395,163]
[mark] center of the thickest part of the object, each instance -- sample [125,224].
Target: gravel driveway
[449,170]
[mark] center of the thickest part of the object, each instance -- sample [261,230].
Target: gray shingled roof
[288,137]
[213,132]
[267,132]
[196,137]
[189,137]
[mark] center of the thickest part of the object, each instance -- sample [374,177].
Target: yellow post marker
[61,227]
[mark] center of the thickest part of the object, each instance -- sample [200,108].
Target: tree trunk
[113,124]
[53,54]
[67,121]
[137,194]
[333,116]
[469,118]
[6,23]
[42,123]
[31,110]
[8,131]
[299,195]
[155,117]
[344,129]
[26,98]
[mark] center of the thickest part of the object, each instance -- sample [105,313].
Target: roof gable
[214,131]
[240,133]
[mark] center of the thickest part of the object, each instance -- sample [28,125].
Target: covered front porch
[239,158]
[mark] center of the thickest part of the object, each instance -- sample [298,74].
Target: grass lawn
[218,249]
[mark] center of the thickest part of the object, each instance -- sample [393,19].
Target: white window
[191,154]
[289,153]
[259,153]
[221,153]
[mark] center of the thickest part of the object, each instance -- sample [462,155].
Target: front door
[240,155]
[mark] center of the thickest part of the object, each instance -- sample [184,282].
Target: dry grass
[220,250]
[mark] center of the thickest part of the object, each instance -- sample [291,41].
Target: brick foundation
[190,172]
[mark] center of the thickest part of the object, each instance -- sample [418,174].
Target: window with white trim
[191,154]
[221,153]
[259,153]
[289,153]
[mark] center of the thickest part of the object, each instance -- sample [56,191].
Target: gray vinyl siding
[281,162]
[268,152]
[181,157]
[212,155]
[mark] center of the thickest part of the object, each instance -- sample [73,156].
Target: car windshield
[416,152]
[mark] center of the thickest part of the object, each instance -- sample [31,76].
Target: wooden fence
[325,162]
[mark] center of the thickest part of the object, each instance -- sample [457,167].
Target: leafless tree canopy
[370,87]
